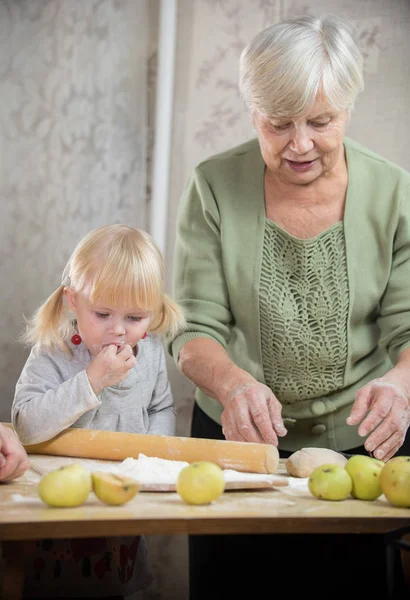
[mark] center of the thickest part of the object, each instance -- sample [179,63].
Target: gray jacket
[53,392]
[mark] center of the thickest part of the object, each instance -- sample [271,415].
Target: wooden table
[23,517]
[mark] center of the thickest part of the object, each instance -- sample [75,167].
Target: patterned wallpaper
[72,144]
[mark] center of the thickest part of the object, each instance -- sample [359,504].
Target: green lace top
[304,301]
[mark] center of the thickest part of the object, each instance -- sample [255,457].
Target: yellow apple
[114,489]
[200,482]
[395,481]
[330,482]
[365,473]
[65,487]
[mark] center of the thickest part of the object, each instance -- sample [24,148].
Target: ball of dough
[303,462]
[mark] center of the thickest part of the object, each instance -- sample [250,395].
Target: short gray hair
[284,66]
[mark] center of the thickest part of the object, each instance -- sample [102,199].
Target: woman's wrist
[204,362]
[399,375]
[235,379]
[398,380]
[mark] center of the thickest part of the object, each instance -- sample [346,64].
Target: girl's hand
[110,366]
[388,417]
[252,414]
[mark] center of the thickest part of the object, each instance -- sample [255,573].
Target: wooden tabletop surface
[291,509]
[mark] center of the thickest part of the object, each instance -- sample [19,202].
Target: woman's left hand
[383,411]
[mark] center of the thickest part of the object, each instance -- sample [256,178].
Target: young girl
[98,363]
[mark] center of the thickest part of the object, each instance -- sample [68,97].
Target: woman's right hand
[252,413]
[110,366]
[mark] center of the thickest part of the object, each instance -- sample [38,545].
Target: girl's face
[102,325]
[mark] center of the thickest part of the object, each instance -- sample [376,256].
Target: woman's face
[302,149]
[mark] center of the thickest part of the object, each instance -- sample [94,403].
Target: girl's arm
[161,410]
[44,403]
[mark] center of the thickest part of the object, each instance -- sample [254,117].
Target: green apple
[65,487]
[114,489]
[365,473]
[330,482]
[201,482]
[395,481]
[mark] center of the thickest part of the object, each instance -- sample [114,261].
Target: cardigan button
[318,408]
[318,429]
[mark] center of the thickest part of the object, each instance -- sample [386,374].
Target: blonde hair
[114,264]
[285,66]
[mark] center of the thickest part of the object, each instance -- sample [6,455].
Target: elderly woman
[292,263]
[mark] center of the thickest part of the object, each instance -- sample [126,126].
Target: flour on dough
[151,470]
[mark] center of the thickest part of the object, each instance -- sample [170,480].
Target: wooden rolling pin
[111,445]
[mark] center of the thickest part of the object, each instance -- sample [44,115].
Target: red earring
[144,336]
[76,339]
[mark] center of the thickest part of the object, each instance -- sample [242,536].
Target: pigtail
[170,318]
[46,327]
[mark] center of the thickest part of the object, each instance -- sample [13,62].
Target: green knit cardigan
[217,269]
